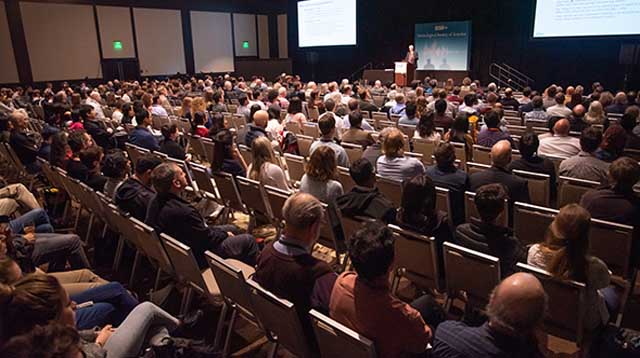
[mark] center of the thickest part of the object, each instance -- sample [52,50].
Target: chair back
[336,340]
[152,246]
[135,152]
[345,179]
[228,190]
[407,129]
[311,130]
[293,127]
[530,222]
[391,188]
[424,147]
[185,264]
[473,167]
[611,242]
[202,178]
[295,165]
[570,190]
[481,155]
[231,281]
[277,198]
[278,317]
[416,258]
[470,271]
[253,196]
[470,210]
[208,147]
[562,320]
[443,201]
[314,114]
[304,144]
[246,153]
[539,186]
[354,151]
[461,153]
[195,143]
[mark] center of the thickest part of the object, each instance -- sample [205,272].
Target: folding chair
[231,277]
[539,186]
[276,198]
[280,321]
[473,167]
[461,153]
[314,114]
[416,259]
[153,249]
[345,179]
[311,130]
[469,271]
[443,203]
[203,179]
[354,151]
[472,212]
[254,199]
[198,148]
[425,148]
[304,144]
[246,153]
[332,236]
[408,130]
[209,147]
[481,155]
[336,340]
[530,222]
[228,191]
[295,165]
[392,189]
[135,152]
[293,127]
[570,190]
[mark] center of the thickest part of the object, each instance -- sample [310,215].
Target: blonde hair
[393,144]
[198,105]
[185,102]
[262,153]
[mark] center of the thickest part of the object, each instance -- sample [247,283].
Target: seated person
[426,129]
[530,161]
[16,197]
[169,144]
[37,300]
[409,116]
[444,174]
[142,135]
[23,145]
[564,254]
[135,193]
[286,266]
[560,144]
[517,188]
[355,134]
[516,309]
[327,127]
[115,168]
[91,158]
[170,214]
[362,300]
[492,134]
[393,164]
[33,221]
[320,173]
[265,167]
[365,199]
[226,156]
[199,118]
[585,165]
[488,236]
[257,128]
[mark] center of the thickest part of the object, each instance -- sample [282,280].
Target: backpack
[290,144]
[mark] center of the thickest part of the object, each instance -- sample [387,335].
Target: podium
[400,77]
[404,73]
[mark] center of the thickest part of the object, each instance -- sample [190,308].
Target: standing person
[411,59]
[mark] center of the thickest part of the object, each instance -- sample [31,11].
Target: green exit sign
[117,45]
[245,44]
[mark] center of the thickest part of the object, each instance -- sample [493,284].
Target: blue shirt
[410,122]
[398,108]
[141,137]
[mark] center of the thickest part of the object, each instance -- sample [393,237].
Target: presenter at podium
[412,62]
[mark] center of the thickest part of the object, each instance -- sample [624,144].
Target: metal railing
[507,76]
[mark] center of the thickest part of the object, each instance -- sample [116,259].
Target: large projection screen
[61,40]
[577,18]
[326,23]
[212,42]
[160,46]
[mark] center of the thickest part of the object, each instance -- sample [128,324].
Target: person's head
[87,112]
[262,153]
[561,128]
[78,141]
[393,144]
[489,200]
[54,340]
[445,156]
[528,145]
[410,110]
[633,110]
[10,271]
[418,201]
[441,106]
[363,173]
[628,122]
[492,119]
[217,97]
[261,118]
[470,100]
[501,154]
[327,125]
[517,305]
[614,140]
[295,106]
[168,178]
[329,105]
[537,102]
[322,164]
[461,123]
[371,251]
[222,148]
[19,119]
[559,98]
[199,118]
[590,139]
[551,91]
[143,118]
[92,157]
[426,126]
[116,165]
[218,123]
[33,300]
[144,166]
[568,239]
[624,173]
[169,132]
[355,119]
[272,96]
[596,109]
[620,98]
[303,215]
[410,48]
[578,111]
[400,98]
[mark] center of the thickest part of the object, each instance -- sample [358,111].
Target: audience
[613,143]
[628,122]
[585,165]
[362,300]
[426,129]
[24,146]
[226,156]
[135,193]
[559,109]
[392,163]
[142,135]
[596,114]
[446,175]
[530,161]
[537,113]
[560,144]
[169,144]
[265,167]
[115,168]
[320,176]
[355,134]
[257,128]
[459,133]
[327,127]
[409,116]
[492,134]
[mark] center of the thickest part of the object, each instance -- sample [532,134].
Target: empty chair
[539,186]
[470,271]
[254,199]
[471,211]
[135,152]
[443,202]
[311,130]
[416,259]
[293,127]
[424,147]
[570,190]
[392,189]
[336,340]
[198,148]
[408,130]
[152,248]
[314,114]
[304,144]
[566,305]
[530,222]
[228,191]
[246,154]
[203,179]
[611,242]
[276,198]
[280,321]
[295,165]
[461,153]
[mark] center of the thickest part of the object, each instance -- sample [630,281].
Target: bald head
[19,119]
[561,128]
[579,110]
[518,304]
[261,118]
[501,154]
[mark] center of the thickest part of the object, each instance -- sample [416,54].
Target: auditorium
[319,179]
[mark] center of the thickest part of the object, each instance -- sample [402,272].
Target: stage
[386,75]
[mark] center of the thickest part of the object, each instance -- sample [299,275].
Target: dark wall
[500,33]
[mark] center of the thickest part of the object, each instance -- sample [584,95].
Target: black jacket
[172,149]
[367,202]
[492,240]
[171,215]
[517,188]
[253,133]
[25,147]
[134,197]
[99,134]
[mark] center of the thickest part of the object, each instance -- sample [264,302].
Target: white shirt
[158,110]
[96,106]
[559,110]
[559,146]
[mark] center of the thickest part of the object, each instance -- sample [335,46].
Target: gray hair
[302,210]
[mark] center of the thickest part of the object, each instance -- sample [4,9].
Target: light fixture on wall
[117,45]
[245,44]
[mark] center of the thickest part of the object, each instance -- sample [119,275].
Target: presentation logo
[441,27]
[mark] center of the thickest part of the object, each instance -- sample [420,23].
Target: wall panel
[114,23]
[212,41]
[244,29]
[283,43]
[8,68]
[160,42]
[263,36]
